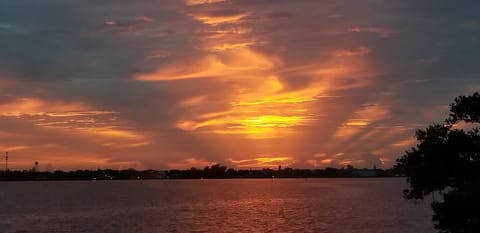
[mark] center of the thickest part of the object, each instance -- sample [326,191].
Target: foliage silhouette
[447,161]
[213,172]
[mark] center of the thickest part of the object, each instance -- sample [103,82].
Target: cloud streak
[175,84]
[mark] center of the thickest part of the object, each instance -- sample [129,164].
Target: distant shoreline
[186,179]
[213,172]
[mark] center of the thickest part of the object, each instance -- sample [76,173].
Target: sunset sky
[244,83]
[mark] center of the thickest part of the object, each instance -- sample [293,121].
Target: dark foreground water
[240,205]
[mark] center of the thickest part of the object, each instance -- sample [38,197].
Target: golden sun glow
[256,114]
[271,121]
[244,83]
[214,20]
[261,105]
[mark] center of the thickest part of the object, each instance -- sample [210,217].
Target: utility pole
[6,161]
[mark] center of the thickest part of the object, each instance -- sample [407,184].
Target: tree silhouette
[447,161]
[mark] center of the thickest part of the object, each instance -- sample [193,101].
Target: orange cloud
[405,143]
[369,113]
[239,63]
[13,148]
[75,119]
[225,78]
[260,106]
[320,163]
[32,106]
[256,114]
[366,131]
[215,20]
[227,46]
[201,2]
[352,52]
[260,103]
[189,163]
[263,162]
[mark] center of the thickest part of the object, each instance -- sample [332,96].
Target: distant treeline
[211,172]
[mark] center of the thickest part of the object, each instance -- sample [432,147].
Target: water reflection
[263,205]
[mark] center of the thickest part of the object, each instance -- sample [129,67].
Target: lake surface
[239,205]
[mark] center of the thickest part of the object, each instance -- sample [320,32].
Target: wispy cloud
[201,2]
[171,84]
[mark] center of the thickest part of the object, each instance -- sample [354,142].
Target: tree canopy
[447,161]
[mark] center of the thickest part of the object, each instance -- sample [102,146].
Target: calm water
[269,205]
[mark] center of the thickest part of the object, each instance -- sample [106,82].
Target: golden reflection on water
[239,205]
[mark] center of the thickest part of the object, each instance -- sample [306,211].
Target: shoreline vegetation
[210,172]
